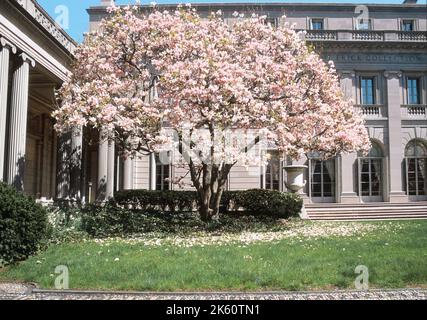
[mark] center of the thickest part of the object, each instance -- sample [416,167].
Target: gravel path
[10,291]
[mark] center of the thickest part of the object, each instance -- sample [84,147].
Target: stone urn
[295,182]
[295,177]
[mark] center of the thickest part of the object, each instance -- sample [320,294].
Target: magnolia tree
[165,80]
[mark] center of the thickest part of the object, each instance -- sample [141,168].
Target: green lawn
[303,259]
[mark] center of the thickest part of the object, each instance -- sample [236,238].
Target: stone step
[366,205]
[380,218]
[367,211]
[339,212]
[368,215]
[367,208]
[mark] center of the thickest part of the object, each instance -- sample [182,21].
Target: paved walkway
[10,291]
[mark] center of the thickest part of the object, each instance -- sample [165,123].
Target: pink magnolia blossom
[142,72]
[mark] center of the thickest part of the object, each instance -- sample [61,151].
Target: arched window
[416,168]
[371,174]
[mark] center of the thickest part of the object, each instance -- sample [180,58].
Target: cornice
[370,45]
[286,5]
[45,21]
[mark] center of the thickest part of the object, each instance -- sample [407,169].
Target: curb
[221,293]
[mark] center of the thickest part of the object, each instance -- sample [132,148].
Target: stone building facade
[380,52]
[35,55]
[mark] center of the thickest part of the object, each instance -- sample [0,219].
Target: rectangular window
[162,174]
[317,24]
[364,24]
[367,90]
[413,90]
[407,25]
[270,179]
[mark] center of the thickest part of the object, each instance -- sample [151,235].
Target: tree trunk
[211,191]
[204,205]
[209,179]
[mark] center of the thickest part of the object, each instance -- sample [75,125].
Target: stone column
[110,169]
[396,151]
[63,166]
[76,164]
[153,168]
[54,161]
[18,122]
[46,158]
[39,173]
[5,48]
[128,174]
[106,168]
[347,170]
[101,193]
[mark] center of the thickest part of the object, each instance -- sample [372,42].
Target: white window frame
[356,25]
[323,22]
[264,169]
[414,21]
[416,196]
[378,87]
[153,173]
[335,184]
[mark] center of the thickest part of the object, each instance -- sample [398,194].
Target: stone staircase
[367,211]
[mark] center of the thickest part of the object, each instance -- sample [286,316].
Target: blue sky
[79,19]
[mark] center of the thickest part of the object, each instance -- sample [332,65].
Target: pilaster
[346,170]
[396,152]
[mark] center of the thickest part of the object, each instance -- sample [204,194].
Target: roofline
[46,14]
[277,4]
[43,29]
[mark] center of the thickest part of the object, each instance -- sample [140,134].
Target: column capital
[6,43]
[347,73]
[393,74]
[26,58]
[107,3]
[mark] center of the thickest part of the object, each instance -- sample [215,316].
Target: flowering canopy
[142,72]
[248,75]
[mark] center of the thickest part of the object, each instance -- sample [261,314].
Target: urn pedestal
[295,182]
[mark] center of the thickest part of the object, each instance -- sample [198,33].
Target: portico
[35,55]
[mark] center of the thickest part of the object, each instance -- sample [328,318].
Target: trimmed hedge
[263,202]
[23,225]
[141,211]
[254,201]
[164,200]
[108,220]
